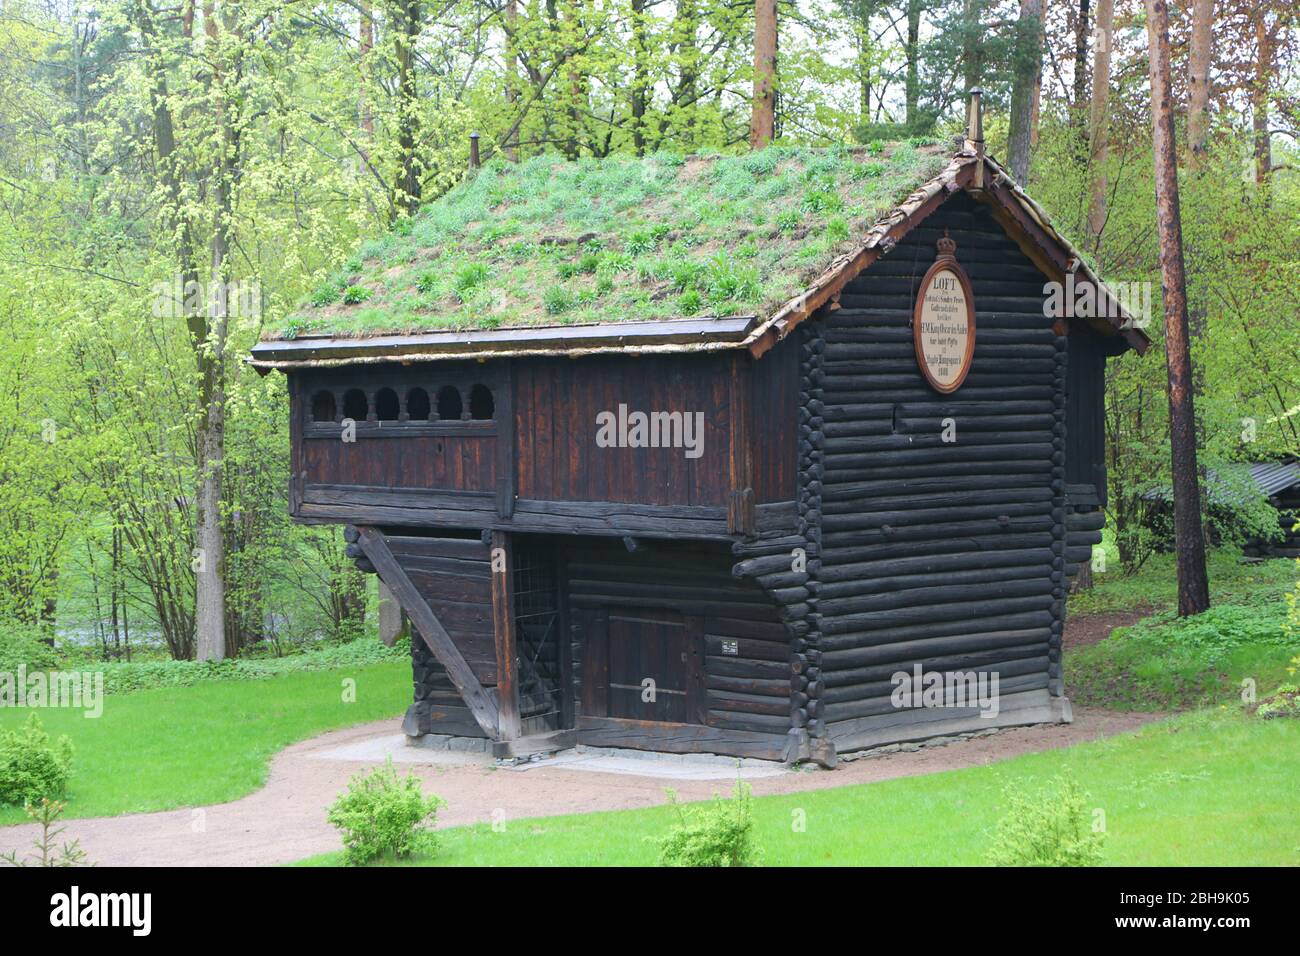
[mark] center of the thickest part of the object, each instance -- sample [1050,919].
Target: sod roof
[622,239]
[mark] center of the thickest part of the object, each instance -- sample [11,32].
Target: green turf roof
[549,242]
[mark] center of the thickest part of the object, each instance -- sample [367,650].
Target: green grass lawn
[207,743]
[1207,788]
[1155,584]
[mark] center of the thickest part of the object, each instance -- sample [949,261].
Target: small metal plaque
[731,648]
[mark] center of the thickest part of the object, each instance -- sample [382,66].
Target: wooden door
[644,664]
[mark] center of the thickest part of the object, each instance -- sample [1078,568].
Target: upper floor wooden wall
[475,443]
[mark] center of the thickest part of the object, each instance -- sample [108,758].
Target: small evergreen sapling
[384,815]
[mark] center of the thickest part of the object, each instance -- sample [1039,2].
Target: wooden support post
[741,515]
[503,634]
[476,697]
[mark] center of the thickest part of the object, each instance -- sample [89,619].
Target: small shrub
[1283,702]
[48,852]
[717,833]
[557,300]
[33,768]
[787,221]
[355,294]
[469,277]
[837,229]
[1051,828]
[383,814]
[428,282]
[689,302]
[822,200]
[639,243]
[326,294]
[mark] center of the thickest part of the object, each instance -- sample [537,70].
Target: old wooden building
[701,454]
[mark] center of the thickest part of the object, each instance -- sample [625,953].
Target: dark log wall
[774,401]
[1085,412]
[556,403]
[452,575]
[951,555]
[401,439]
[748,690]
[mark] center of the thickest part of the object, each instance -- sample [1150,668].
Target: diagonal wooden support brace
[476,697]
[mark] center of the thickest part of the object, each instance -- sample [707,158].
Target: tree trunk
[1028,77]
[405,34]
[512,77]
[1259,97]
[1193,585]
[209,583]
[640,76]
[1098,121]
[912,52]
[1080,105]
[365,43]
[1198,81]
[763,118]
[972,57]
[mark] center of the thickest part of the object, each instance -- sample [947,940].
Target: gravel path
[285,820]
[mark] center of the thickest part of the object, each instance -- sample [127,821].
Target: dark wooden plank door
[656,645]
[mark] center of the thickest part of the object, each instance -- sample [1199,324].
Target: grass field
[1211,788]
[211,742]
[1155,584]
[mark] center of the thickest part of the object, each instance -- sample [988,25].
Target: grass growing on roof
[617,239]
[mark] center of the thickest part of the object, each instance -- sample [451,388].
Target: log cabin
[702,454]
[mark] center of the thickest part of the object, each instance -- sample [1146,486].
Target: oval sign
[943,325]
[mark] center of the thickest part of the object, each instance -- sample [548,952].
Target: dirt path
[1084,629]
[285,820]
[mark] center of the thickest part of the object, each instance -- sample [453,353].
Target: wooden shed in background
[824,510]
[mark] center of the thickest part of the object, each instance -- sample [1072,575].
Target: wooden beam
[476,697]
[503,635]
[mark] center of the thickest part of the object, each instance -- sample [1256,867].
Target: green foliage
[719,832]
[1283,702]
[327,293]
[356,294]
[122,677]
[26,644]
[32,767]
[557,300]
[384,815]
[1052,827]
[1165,662]
[49,852]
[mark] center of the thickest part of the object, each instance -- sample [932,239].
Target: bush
[1051,828]
[1285,701]
[717,833]
[22,644]
[123,676]
[384,815]
[32,768]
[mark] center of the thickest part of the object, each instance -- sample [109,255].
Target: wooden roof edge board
[406,358]
[1118,319]
[677,335]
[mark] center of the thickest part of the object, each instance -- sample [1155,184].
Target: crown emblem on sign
[947,247]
